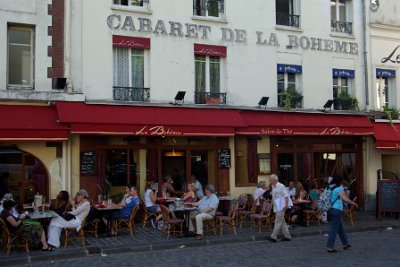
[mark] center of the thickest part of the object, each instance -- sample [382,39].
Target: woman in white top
[260,190]
[150,197]
[80,209]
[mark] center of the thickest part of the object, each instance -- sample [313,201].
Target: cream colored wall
[73,180]
[372,163]
[47,155]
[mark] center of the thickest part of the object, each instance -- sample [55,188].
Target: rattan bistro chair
[170,223]
[129,223]
[147,214]
[9,239]
[71,234]
[349,212]
[263,215]
[228,220]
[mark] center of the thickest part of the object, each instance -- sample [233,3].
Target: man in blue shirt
[206,209]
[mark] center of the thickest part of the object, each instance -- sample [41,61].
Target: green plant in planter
[346,101]
[291,98]
[391,113]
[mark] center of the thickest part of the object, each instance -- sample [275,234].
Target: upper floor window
[288,78]
[20,57]
[287,13]
[131,2]
[341,16]
[208,8]
[385,88]
[342,89]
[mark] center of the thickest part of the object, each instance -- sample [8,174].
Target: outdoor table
[30,207]
[165,199]
[42,215]
[106,209]
[302,204]
[186,214]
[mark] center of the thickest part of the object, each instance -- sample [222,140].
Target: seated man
[291,190]
[206,208]
[80,209]
[127,206]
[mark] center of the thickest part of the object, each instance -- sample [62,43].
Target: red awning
[387,136]
[131,42]
[296,124]
[148,121]
[30,123]
[209,50]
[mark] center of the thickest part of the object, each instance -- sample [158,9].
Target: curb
[89,251]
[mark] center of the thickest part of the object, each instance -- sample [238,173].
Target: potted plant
[345,101]
[291,98]
[390,113]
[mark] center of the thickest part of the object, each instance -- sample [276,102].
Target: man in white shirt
[198,187]
[280,198]
[292,190]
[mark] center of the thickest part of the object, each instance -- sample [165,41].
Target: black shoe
[331,250]
[271,239]
[347,246]
[286,239]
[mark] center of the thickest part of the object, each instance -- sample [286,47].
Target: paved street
[369,249]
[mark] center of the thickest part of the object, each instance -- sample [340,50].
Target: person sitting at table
[60,206]
[80,209]
[127,206]
[127,193]
[33,232]
[9,196]
[206,209]
[259,191]
[298,186]
[189,196]
[167,180]
[150,198]
[303,195]
[292,190]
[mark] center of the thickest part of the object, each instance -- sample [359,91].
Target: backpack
[324,201]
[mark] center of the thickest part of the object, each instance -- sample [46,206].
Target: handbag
[68,216]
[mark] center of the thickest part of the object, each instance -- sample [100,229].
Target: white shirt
[82,210]
[279,191]
[147,200]
[292,193]
[199,189]
[258,193]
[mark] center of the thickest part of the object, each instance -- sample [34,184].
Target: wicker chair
[147,214]
[92,227]
[263,214]
[128,222]
[170,223]
[244,211]
[71,234]
[313,214]
[349,212]
[9,239]
[228,220]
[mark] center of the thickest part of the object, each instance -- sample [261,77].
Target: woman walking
[337,197]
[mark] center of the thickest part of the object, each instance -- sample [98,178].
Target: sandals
[49,248]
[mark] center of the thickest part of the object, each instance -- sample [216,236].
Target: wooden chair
[92,227]
[228,220]
[147,215]
[170,223]
[244,211]
[211,224]
[313,214]
[128,222]
[349,212]
[9,239]
[263,214]
[71,234]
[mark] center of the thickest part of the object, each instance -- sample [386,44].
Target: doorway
[174,165]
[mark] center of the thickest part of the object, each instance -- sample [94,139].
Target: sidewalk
[149,239]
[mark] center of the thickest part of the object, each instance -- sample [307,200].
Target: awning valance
[282,68]
[209,50]
[131,42]
[343,73]
[387,136]
[385,73]
[297,124]
[20,123]
[148,121]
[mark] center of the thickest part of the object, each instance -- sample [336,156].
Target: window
[385,84]
[288,84]
[340,16]
[340,91]
[208,80]
[286,13]
[129,74]
[131,2]
[20,58]
[208,8]
[246,160]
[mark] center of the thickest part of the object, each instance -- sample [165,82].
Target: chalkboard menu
[388,196]
[224,158]
[88,163]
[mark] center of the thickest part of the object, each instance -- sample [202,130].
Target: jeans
[336,228]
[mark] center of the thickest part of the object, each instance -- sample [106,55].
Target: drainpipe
[365,54]
[67,44]
[64,166]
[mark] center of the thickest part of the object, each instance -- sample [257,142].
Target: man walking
[280,198]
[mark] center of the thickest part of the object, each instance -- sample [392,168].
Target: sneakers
[153,223]
[273,240]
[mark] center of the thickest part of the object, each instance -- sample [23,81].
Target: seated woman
[190,195]
[9,196]
[60,206]
[80,209]
[167,180]
[150,198]
[34,233]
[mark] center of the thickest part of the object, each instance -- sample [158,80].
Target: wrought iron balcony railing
[131,93]
[209,98]
[342,26]
[288,19]
[208,7]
